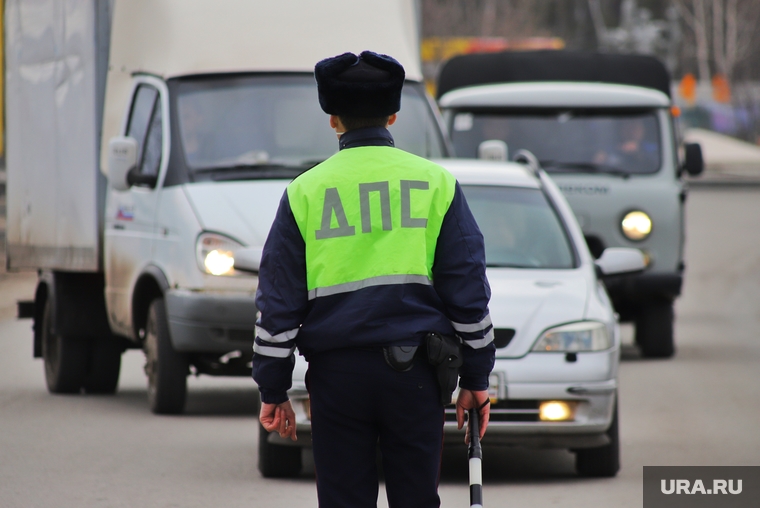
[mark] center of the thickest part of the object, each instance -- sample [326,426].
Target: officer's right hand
[470,399]
[279,418]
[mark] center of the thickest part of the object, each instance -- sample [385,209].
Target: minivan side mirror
[619,260]
[493,150]
[248,259]
[693,162]
[122,157]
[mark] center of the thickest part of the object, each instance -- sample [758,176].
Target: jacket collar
[368,136]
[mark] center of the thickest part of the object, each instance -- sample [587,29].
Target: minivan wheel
[604,461]
[166,369]
[277,461]
[654,329]
[65,358]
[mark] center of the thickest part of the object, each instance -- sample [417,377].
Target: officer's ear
[334,121]
[391,119]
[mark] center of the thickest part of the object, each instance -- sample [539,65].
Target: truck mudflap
[211,323]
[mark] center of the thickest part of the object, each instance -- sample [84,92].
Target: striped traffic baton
[475,453]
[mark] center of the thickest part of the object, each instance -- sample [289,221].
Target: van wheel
[277,461]
[103,366]
[167,369]
[654,329]
[65,358]
[604,461]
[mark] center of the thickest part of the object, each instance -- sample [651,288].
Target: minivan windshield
[589,141]
[520,227]
[268,126]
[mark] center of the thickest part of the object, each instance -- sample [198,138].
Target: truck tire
[103,367]
[604,461]
[654,329]
[167,369]
[277,461]
[65,358]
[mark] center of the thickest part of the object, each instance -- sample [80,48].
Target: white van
[148,145]
[604,127]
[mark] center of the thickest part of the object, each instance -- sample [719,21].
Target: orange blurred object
[688,88]
[721,89]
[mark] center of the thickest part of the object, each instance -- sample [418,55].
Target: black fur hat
[364,86]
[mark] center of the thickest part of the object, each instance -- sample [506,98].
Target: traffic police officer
[373,248]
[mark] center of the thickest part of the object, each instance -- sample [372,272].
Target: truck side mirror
[122,156]
[493,150]
[693,162]
[248,260]
[619,260]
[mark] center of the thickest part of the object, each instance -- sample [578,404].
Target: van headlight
[581,336]
[636,225]
[216,253]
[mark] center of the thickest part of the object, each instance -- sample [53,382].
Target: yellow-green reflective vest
[370,216]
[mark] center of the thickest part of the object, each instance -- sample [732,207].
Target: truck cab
[604,127]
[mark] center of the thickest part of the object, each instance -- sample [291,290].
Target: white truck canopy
[171,38]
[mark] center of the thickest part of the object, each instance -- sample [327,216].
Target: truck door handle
[118,226]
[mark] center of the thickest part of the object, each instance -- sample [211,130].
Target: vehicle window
[568,141]
[141,115]
[153,144]
[520,227]
[257,123]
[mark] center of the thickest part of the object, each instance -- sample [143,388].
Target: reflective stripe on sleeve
[474,327]
[481,343]
[384,280]
[275,352]
[280,337]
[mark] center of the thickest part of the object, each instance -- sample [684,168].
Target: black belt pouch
[445,354]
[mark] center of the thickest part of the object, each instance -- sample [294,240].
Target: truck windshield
[272,126]
[520,227]
[592,141]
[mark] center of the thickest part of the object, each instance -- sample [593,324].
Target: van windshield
[521,229]
[272,126]
[590,141]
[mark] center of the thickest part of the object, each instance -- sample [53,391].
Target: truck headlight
[216,253]
[581,336]
[636,225]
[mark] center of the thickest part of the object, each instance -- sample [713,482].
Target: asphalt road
[700,408]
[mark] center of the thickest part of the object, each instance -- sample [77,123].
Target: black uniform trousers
[358,402]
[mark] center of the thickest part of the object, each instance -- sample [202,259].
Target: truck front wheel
[167,369]
[65,357]
[654,329]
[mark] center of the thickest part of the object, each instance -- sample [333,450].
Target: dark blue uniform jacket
[400,314]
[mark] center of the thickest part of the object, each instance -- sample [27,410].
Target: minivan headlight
[581,336]
[636,225]
[216,253]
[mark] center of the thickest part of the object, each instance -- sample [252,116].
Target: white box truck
[148,145]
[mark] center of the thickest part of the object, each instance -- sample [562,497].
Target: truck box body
[56,64]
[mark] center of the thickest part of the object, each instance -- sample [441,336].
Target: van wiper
[584,167]
[250,171]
